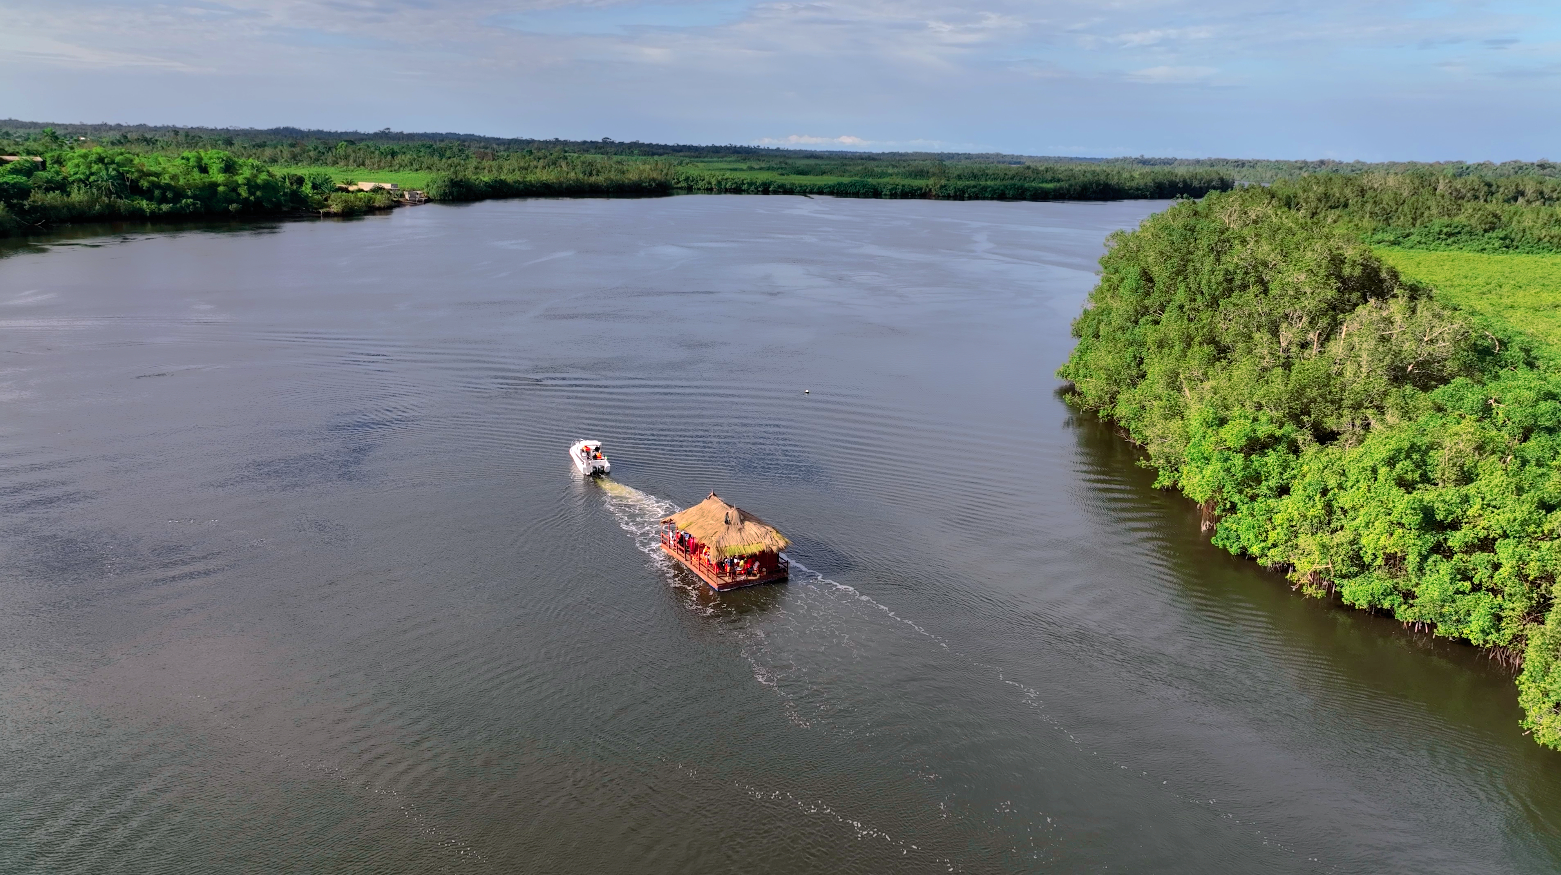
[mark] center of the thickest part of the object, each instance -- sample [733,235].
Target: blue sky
[1368,79]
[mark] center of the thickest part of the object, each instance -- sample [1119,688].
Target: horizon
[1406,80]
[800,150]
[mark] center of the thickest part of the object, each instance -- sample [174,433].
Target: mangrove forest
[1383,440]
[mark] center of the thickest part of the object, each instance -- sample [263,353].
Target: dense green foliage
[1336,421]
[1520,292]
[112,184]
[947,180]
[1263,171]
[562,173]
[58,184]
[1424,210]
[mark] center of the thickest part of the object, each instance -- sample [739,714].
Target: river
[295,574]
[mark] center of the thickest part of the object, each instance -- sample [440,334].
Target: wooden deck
[718,581]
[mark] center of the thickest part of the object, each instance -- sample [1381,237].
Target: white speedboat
[589,459]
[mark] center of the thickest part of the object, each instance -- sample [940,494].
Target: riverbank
[67,186]
[1375,439]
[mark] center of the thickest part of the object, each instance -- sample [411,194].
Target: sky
[1344,79]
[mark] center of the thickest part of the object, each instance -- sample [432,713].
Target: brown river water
[295,575]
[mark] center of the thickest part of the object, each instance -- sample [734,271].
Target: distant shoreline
[87,229]
[120,172]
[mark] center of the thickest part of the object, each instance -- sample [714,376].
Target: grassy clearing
[404,178]
[1520,291]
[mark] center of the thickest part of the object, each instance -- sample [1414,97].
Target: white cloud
[47,51]
[806,140]
[1173,75]
[1160,36]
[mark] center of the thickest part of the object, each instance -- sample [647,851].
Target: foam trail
[638,513]
[853,592]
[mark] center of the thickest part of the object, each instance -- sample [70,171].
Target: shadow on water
[92,235]
[1213,579]
[95,234]
[1376,680]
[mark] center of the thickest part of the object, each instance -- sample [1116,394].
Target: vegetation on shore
[298,147]
[54,182]
[1262,171]
[108,173]
[459,171]
[1396,447]
[307,164]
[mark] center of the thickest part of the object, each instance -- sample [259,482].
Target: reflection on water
[296,576]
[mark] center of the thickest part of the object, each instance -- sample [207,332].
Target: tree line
[180,173]
[1261,171]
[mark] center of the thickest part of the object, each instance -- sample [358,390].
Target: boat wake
[817,615]
[640,514]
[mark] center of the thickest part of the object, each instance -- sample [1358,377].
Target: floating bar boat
[726,546]
[588,458]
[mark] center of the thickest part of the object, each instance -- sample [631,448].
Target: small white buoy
[804,391]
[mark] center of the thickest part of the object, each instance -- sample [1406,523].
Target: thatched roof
[728,530]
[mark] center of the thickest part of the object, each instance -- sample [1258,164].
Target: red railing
[668,541]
